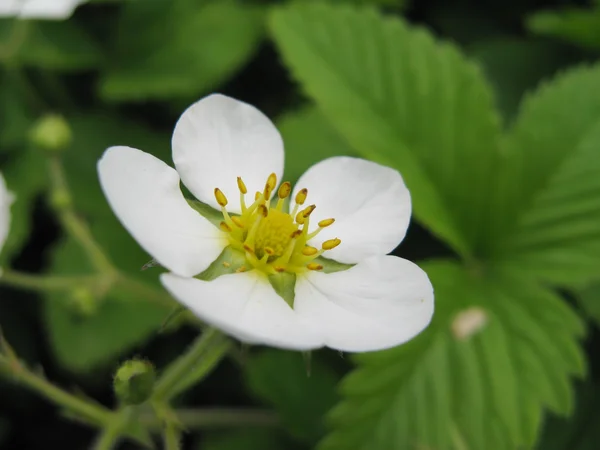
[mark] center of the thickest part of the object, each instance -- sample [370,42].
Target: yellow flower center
[272,239]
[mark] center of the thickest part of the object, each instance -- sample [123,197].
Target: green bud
[83,302]
[52,133]
[134,381]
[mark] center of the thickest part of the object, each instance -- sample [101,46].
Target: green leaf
[589,299]
[579,432]
[280,379]
[244,439]
[166,48]
[547,205]
[459,386]
[576,25]
[404,100]
[51,45]
[309,138]
[15,116]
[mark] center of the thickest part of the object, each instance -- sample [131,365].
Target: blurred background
[121,72]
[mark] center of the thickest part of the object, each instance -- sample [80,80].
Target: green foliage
[589,299]
[281,379]
[309,138]
[546,211]
[418,106]
[577,25]
[484,391]
[167,48]
[247,439]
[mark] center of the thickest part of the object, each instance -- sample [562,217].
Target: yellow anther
[300,218]
[326,222]
[296,233]
[270,186]
[221,199]
[309,251]
[241,185]
[331,243]
[237,221]
[269,251]
[248,248]
[308,211]
[314,266]
[226,264]
[284,190]
[241,269]
[263,211]
[279,269]
[301,196]
[223,226]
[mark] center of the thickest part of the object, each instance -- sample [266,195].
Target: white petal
[245,306]
[369,202]
[39,9]
[219,139]
[145,195]
[381,302]
[5,202]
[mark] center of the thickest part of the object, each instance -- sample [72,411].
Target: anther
[314,266]
[270,186]
[331,243]
[309,251]
[237,221]
[279,269]
[295,234]
[301,196]
[257,196]
[308,211]
[241,185]
[284,190]
[263,211]
[326,222]
[223,226]
[248,248]
[300,219]
[241,269]
[221,199]
[226,264]
[269,251]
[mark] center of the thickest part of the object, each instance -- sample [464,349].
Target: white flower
[5,202]
[223,150]
[38,9]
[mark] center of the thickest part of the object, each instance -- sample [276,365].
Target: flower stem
[78,229]
[191,367]
[217,418]
[172,436]
[111,434]
[45,283]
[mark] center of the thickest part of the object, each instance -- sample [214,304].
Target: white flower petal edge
[218,139]
[370,203]
[39,9]
[144,194]
[380,303]
[245,306]
[5,201]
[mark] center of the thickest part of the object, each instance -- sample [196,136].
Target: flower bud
[134,381]
[83,302]
[52,133]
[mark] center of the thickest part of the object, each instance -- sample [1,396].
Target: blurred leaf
[576,25]
[516,65]
[25,175]
[171,48]
[308,138]
[15,116]
[280,379]
[487,389]
[122,321]
[548,201]
[50,44]
[579,432]
[589,299]
[81,341]
[404,100]
[244,439]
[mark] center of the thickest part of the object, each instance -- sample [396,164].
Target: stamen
[300,218]
[330,244]
[220,197]
[309,251]
[308,211]
[248,248]
[241,185]
[223,226]
[314,266]
[326,222]
[270,186]
[269,251]
[237,221]
[301,196]
[241,269]
[263,211]
[226,264]
[283,193]
[257,196]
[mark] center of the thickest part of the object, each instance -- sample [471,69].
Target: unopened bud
[83,302]
[52,133]
[134,381]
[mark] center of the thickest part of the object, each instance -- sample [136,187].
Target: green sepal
[330,266]
[233,259]
[284,284]
[208,212]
